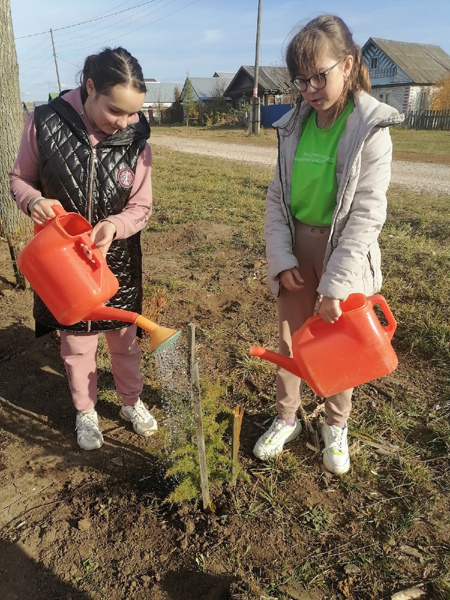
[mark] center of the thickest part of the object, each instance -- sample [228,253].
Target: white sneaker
[89,436]
[271,443]
[142,420]
[335,454]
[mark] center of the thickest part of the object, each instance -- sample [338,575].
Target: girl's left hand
[102,235]
[330,309]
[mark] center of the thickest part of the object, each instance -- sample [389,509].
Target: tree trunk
[14,225]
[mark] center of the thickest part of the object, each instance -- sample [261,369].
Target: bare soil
[83,525]
[64,511]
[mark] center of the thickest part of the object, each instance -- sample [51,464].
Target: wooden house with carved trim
[402,74]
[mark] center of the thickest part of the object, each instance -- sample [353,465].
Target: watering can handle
[58,210]
[392,323]
[97,257]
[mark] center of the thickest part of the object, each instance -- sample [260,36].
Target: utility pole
[255,103]
[56,63]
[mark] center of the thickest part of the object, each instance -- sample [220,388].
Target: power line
[113,27]
[165,17]
[32,51]
[88,21]
[114,19]
[112,31]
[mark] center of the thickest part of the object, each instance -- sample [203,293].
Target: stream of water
[171,365]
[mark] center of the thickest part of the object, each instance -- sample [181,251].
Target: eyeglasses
[317,82]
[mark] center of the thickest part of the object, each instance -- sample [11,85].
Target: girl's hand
[329,309]
[291,279]
[102,236]
[42,211]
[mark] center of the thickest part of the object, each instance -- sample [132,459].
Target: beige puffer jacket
[352,260]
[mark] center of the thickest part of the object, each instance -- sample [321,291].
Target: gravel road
[416,176]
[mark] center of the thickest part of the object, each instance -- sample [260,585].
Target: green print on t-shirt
[319,159]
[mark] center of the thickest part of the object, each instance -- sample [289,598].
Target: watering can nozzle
[161,336]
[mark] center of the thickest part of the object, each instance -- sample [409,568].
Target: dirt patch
[80,524]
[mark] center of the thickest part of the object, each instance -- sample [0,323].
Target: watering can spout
[278,359]
[161,337]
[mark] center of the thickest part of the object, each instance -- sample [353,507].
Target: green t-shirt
[314,185]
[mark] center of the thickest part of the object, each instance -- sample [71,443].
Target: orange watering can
[333,357]
[73,287]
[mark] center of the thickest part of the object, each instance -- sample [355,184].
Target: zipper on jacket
[91,183]
[91,188]
[369,258]
[286,207]
[341,197]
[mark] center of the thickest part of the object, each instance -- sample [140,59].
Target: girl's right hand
[291,279]
[42,211]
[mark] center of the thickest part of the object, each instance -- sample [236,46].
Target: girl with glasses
[325,208]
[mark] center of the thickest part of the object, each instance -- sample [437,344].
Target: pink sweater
[24,178]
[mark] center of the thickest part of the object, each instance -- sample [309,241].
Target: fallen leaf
[410,551]
[352,569]
[84,524]
[409,594]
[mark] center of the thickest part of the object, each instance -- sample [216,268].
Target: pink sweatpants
[79,352]
[293,310]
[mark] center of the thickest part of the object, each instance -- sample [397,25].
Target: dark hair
[112,67]
[328,33]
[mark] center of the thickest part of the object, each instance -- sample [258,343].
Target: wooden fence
[427,119]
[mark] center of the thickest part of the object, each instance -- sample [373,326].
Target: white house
[402,74]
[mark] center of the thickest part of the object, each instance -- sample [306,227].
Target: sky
[176,38]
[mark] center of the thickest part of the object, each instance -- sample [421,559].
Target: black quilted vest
[72,171]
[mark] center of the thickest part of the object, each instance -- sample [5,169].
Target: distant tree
[13,223]
[175,113]
[440,96]
[218,101]
[190,106]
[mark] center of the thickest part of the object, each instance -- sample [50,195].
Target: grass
[426,146]
[417,278]
[318,526]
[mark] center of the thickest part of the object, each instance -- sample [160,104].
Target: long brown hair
[328,33]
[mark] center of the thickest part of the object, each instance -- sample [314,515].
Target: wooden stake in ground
[237,423]
[197,408]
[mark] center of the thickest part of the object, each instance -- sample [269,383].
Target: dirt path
[430,177]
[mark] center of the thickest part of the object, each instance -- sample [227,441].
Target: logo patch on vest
[126,178]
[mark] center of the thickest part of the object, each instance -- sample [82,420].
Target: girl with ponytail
[87,151]
[324,210]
